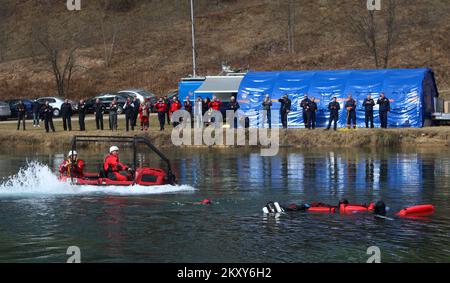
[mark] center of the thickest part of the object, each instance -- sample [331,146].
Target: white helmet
[72,152]
[113,148]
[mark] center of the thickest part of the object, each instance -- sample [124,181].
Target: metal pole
[193,41]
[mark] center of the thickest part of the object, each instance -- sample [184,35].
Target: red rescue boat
[144,176]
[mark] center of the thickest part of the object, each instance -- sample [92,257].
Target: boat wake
[37,179]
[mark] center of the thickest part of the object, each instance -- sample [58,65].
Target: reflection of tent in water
[411,91]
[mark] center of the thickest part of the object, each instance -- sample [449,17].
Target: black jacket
[128,108]
[99,108]
[66,109]
[136,103]
[312,106]
[305,103]
[36,107]
[334,108]
[385,105]
[368,104]
[47,112]
[188,106]
[82,109]
[234,106]
[285,104]
[350,103]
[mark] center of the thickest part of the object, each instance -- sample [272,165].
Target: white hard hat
[113,148]
[72,152]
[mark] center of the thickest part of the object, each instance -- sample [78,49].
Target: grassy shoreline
[297,138]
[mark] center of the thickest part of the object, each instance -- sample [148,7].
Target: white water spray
[37,179]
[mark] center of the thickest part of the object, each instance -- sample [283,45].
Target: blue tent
[411,92]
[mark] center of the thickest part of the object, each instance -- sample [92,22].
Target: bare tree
[291,26]
[377,36]
[109,31]
[392,30]
[62,64]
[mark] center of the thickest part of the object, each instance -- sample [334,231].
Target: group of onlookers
[309,109]
[200,111]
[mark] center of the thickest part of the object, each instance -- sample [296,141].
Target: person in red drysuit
[113,167]
[174,106]
[160,107]
[215,104]
[144,113]
[69,169]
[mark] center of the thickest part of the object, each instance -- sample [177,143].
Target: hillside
[152,41]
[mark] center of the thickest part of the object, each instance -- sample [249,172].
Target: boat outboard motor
[272,207]
[380,208]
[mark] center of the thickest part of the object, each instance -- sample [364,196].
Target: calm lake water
[41,218]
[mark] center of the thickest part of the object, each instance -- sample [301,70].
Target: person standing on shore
[284,110]
[311,114]
[198,112]
[47,110]
[136,103]
[66,114]
[82,115]
[160,107]
[385,107]
[144,111]
[174,106]
[234,105]
[188,107]
[304,104]
[113,107]
[350,105]
[99,109]
[334,108]
[128,108]
[21,115]
[267,106]
[36,111]
[368,107]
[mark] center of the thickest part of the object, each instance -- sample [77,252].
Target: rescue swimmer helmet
[72,152]
[113,148]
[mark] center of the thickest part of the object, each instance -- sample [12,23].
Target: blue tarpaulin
[411,92]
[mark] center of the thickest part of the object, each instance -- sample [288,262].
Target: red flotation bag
[323,209]
[422,209]
[352,208]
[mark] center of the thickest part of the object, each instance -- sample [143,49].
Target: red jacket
[175,106]
[113,164]
[144,108]
[160,107]
[215,105]
[76,169]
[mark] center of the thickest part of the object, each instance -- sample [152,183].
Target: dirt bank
[298,138]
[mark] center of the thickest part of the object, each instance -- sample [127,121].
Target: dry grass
[298,138]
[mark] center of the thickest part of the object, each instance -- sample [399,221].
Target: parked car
[56,102]
[26,102]
[106,99]
[5,111]
[141,94]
